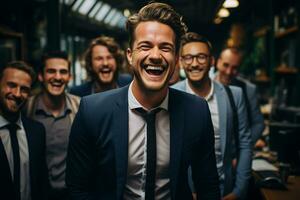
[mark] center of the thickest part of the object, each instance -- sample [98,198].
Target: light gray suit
[257,125]
[243,170]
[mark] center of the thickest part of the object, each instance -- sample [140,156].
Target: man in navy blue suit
[23,170]
[137,142]
[103,60]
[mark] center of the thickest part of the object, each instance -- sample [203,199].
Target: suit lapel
[4,166]
[222,109]
[176,114]
[30,143]
[120,131]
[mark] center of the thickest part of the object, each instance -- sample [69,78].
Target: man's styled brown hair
[54,54]
[20,65]
[162,13]
[195,37]
[112,46]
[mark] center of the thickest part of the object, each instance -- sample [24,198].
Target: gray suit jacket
[243,170]
[257,126]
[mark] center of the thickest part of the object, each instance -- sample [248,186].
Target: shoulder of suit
[30,122]
[124,79]
[106,97]
[73,97]
[181,95]
[235,89]
[247,82]
[179,86]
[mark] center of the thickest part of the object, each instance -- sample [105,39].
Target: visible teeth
[150,67]
[105,70]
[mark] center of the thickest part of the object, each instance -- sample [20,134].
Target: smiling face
[196,61]
[227,66]
[152,56]
[55,76]
[104,65]
[14,90]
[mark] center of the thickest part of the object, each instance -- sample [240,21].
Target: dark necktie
[149,117]
[15,147]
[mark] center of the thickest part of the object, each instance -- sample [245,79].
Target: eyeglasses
[201,58]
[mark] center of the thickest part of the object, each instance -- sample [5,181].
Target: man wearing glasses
[196,60]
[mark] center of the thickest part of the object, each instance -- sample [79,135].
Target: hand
[230,196]
[260,144]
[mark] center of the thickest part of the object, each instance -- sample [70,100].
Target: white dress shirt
[137,150]
[24,155]
[214,112]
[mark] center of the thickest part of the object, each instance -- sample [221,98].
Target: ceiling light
[126,13]
[115,20]
[102,12]
[77,5]
[86,6]
[231,4]
[95,10]
[110,15]
[122,22]
[223,12]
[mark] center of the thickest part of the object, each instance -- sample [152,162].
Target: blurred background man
[227,65]
[103,59]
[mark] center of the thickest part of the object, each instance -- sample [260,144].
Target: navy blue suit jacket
[35,133]
[98,147]
[86,88]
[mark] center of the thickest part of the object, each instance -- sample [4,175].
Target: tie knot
[12,127]
[147,115]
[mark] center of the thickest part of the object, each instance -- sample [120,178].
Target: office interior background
[267,31]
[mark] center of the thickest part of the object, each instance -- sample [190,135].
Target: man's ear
[40,77]
[129,56]
[70,77]
[212,61]
[177,60]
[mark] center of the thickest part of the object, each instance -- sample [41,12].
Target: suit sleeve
[80,159]
[257,126]
[204,171]
[243,170]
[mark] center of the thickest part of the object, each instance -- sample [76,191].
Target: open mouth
[198,70]
[57,84]
[105,70]
[154,70]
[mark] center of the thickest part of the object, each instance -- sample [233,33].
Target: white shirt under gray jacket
[224,144]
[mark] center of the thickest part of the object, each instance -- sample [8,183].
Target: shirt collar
[133,102]
[4,122]
[41,107]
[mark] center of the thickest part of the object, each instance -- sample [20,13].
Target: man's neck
[54,104]
[11,117]
[100,87]
[201,88]
[149,99]
[220,80]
